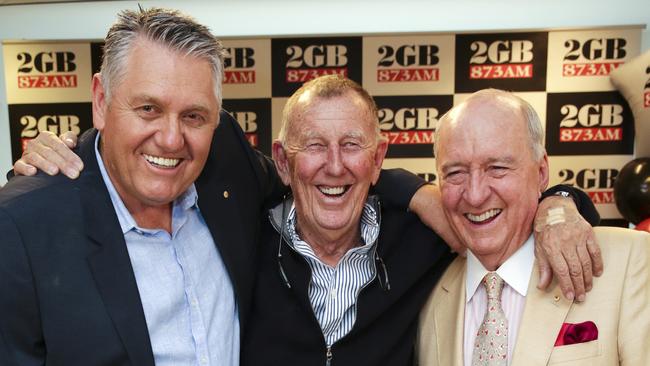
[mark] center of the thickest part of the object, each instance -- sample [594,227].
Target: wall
[294,17]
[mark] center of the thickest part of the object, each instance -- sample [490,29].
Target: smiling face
[489,181]
[157,129]
[330,158]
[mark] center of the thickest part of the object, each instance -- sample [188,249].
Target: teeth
[160,161]
[484,216]
[332,190]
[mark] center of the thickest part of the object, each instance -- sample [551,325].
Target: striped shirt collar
[187,200]
[369,231]
[333,291]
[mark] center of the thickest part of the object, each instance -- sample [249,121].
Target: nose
[170,134]
[478,189]
[334,163]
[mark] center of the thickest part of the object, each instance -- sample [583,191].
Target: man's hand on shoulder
[565,243]
[51,154]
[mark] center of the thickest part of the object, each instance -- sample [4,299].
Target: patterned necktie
[491,345]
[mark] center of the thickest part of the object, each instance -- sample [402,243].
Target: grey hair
[326,87]
[166,27]
[535,130]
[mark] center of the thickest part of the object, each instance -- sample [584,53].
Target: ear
[378,159]
[543,173]
[99,102]
[281,162]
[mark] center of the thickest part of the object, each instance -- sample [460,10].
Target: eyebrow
[144,98]
[500,160]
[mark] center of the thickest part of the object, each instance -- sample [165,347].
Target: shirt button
[333,293]
[204,360]
[195,303]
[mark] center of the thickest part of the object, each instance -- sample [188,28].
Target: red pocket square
[576,333]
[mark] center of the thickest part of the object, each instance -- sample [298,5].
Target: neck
[492,261]
[151,217]
[330,247]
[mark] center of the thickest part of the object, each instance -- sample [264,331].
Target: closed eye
[454,176]
[498,170]
[351,146]
[315,147]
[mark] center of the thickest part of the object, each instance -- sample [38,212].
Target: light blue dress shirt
[186,293]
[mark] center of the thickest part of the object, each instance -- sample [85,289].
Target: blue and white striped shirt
[186,292]
[333,291]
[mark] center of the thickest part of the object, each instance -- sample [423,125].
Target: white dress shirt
[515,272]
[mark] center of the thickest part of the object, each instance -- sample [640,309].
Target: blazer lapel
[543,316]
[218,188]
[449,335]
[109,261]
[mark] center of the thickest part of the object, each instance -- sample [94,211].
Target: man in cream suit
[485,310]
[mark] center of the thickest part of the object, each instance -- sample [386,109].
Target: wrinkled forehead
[314,115]
[481,128]
[497,113]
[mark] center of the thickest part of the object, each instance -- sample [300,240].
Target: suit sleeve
[396,187]
[20,328]
[583,203]
[634,321]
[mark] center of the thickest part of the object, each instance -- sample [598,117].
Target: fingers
[41,156]
[36,161]
[62,147]
[545,275]
[22,168]
[576,273]
[70,139]
[50,154]
[561,272]
[594,252]
[585,262]
[550,256]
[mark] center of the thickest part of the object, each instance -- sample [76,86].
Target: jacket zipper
[328,353]
[328,356]
[328,350]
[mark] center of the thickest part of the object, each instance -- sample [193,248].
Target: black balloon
[632,190]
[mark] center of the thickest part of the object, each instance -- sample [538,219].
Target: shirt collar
[369,223]
[187,200]
[515,271]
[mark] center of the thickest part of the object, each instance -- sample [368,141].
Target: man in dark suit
[118,267]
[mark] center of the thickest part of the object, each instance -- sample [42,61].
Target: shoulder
[619,244]
[21,188]
[611,235]
[36,196]
[626,257]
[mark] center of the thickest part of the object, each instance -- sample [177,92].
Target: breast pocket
[575,352]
